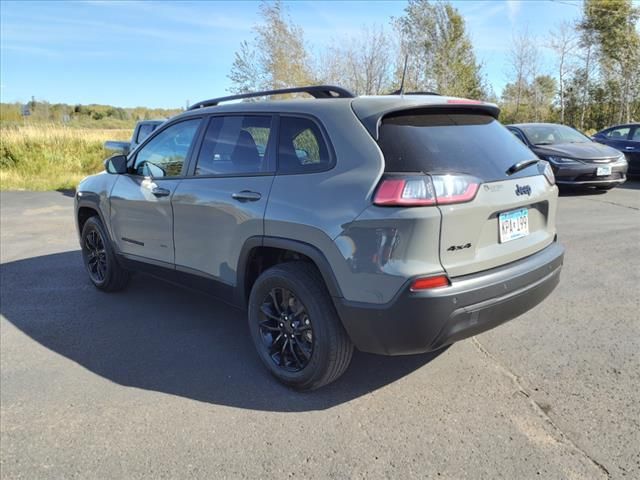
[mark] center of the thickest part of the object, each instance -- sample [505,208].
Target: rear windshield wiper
[516,167]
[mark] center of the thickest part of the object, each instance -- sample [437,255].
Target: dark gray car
[141,131]
[576,160]
[395,224]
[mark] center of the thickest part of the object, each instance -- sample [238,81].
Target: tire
[317,349]
[99,258]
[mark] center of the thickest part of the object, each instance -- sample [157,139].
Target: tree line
[594,81]
[100,116]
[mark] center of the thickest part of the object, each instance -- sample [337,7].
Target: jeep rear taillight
[406,192]
[425,190]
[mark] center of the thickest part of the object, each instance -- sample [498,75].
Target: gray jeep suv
[396,224]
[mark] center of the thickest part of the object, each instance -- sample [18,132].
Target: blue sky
[161,54]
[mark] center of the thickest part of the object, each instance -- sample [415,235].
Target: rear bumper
[416,322]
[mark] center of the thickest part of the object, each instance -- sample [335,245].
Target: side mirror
[116,164]
[121,147]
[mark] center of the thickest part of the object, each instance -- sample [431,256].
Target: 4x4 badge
[523,190]
[453,248]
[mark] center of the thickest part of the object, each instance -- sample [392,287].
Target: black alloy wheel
[100,259]
[295,327]
[96,256]
[286,330]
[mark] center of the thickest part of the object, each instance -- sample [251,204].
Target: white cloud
[513,8]
[480,12]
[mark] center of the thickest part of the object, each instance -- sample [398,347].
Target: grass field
[52,157]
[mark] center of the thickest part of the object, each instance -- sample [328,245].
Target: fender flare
[297,246]
[91,200]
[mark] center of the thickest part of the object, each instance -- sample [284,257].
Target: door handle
[628,148]
[160,192]
[246,196]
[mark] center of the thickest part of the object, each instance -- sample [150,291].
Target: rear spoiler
[372,113]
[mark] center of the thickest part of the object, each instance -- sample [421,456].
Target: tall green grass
[52,157]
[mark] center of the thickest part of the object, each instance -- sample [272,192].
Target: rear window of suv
[445,142]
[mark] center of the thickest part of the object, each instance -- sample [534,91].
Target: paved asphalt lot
[162,382]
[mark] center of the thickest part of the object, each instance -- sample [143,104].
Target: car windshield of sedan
[553,134]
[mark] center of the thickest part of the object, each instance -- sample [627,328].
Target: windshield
[444,142]
[552,134]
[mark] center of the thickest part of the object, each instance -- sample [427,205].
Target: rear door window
[451,142]
[235,145]
[618,133]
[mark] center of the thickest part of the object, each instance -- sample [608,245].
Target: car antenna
[404,73]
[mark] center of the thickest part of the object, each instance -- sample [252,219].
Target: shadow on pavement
[580,191]
[67,192]
[161,337]
[631,184]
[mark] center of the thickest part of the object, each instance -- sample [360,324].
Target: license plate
[603,171]
[513,224]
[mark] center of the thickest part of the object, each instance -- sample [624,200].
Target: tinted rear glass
[470,143]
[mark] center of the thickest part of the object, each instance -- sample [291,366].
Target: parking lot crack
[541,410]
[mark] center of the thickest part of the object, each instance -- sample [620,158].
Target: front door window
[165,154]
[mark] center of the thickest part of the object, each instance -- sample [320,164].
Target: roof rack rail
[316,91]
[399,92]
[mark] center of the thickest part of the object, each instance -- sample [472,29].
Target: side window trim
[631,133]
[271,150]
[191,161]
[140,130]
[519,135]
[325,138]
[131,160]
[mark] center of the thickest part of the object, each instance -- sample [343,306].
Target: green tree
[246,74]
[440,52]
[542,93]
[536,100]
[564,43]
[277,58]
[523,65]
[612,25]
